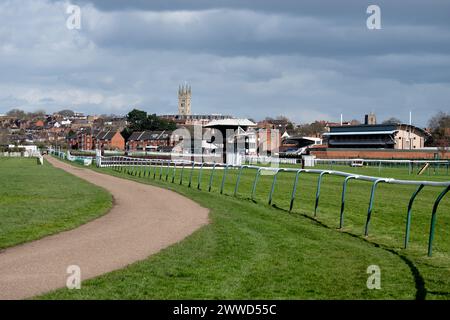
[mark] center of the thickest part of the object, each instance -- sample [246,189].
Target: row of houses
[90,139]
[150,141]
[246,132]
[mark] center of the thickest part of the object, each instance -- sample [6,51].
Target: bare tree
[17,113]
[314,129]
[392,120]
[3,136]
[439,126]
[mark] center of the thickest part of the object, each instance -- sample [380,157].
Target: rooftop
[231,123]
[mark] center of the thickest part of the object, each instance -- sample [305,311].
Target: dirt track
[143,220]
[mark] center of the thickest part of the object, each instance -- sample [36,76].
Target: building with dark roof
[194,119]
[89,139]
[150,140]
[110,140]
[379,136]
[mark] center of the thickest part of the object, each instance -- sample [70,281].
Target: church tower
[370,119]
[184,100]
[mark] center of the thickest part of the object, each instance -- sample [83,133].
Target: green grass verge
[36,201]
[251,250]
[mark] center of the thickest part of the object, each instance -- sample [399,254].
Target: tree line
[139,120]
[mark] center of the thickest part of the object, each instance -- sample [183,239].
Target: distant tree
[17,113]
[139,120]
[136,119]
[38,114]
[392,120]
[105,117]
[290,126]
[439,126]
[156,123]
[439,122]
[126,133]
[66,113]
[3,136]
[70,133]
[282,118]
[311,129]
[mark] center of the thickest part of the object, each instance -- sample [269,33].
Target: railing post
[181,173]
[190,176]
[344,189]
[319,183]
[238,179]
[433,220]
[139,166]
[146,167]
[369,210]
[174,171]
[161,169]
[151,163]
[408,214]
[272,189]
[223,178]
[258,172]
[211,177]
[168,170]
[294,189]
[200,176]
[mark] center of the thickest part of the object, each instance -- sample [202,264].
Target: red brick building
[84,139]
[89,139]
[110,140]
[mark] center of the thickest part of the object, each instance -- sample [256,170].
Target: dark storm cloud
[225,32]
[411,11]
[305,59]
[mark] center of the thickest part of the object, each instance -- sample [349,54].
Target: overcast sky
[307,60]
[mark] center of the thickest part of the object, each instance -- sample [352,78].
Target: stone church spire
[184,100]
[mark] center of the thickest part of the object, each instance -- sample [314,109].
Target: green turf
[36,201]
[251,250]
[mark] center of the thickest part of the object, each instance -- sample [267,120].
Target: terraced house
[89,139]
[110,140]
[150,141]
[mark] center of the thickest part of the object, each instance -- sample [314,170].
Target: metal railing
[131,165]
[85,160]
[409,165]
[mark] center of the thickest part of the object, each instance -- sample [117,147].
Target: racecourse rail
[169,167]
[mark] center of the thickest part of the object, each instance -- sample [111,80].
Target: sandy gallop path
[144,219]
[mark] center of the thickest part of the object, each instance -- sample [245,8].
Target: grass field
[36,201]
[252,250]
